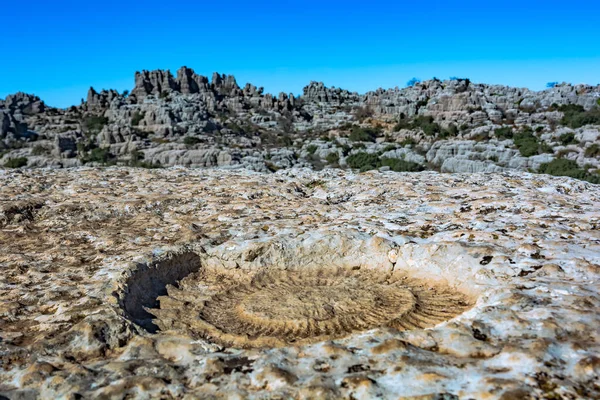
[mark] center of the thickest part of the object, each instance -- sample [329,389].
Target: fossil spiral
[275,308]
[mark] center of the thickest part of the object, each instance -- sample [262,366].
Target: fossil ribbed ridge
[275,308]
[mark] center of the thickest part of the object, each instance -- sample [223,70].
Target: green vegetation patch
[99,155]
[360,134]
[16,162]
[333,158]
[94,123]
[369,161]
[504,133]
[564,167]
[137,118]
[311,149]
[428,126]
[191,141]
[593,151]
[528,144]
[568,138]
[575,116]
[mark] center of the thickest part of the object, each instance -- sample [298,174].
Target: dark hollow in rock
[149,281]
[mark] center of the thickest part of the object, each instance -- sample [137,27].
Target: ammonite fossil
[276,308]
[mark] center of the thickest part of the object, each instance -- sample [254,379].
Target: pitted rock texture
[524,249]
[275,308]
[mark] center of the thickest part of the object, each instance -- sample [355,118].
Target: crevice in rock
[149,281]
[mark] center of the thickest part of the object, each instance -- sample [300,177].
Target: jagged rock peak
[25,102]
[102,99]
[154,82]
[318,92]
[187,82]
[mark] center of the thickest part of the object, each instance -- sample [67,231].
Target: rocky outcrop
[4,124]
[472,156]
[23,103]
[189,119]
[102,100]
[317,92]
[153,82]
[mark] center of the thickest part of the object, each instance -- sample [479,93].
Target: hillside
[190,120]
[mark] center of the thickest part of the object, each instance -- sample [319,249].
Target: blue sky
[58,49]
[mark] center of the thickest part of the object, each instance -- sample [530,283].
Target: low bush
[363,161]
[39,150]
[311,149]
[94,123]
[333,158]
[426,124]
[504,133]
[16,162]
[564,167]
[368,161]
[527,143]
[136,118]
[567,138]
[360,134]
[575,116]
[191,141]
[408,142]
[99,155]
[593,151]
[398,165]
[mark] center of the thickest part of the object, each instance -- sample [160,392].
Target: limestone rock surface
[91,256]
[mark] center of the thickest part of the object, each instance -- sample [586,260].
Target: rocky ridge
[191,120]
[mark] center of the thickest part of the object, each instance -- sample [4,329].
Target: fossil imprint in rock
[273,308]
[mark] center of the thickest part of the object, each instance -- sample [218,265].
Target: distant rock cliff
[181,120]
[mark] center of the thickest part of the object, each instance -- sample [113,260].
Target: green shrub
[527,143]
[426,124]
[398,165]
[504,133]
[191,141]
[546,148]
[567,138]
[359,134]
[137,117]
[389,147]
[408,142]
[593,151]
[366,161]
[564,167]
[94,123]
[450,131]
[402,124]
[311,149]
[100,155]
[575,116]
[333,158]
[363,161]
[16,162]
[39,150]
